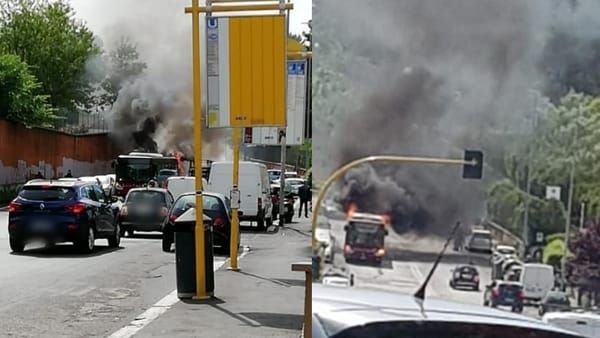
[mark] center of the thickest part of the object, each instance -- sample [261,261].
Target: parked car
[69,210]
[144,209]
[465,276]
[216,206]
[326,239]
[554,301]
[504,293]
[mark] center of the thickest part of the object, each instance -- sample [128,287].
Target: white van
[255,190]
[537,279]
[584,323]
[179,185]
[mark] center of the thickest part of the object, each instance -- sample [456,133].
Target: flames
[179,158]
[351,209]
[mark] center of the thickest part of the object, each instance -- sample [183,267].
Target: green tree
[46,35]
[18,99]
[568,135]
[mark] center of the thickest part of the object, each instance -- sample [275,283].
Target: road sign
[296,110]
[539,237]
[245,63]
[553,192]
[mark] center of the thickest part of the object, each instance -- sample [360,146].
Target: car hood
[342,308]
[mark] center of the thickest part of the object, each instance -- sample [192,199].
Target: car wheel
[115,240]
[167,241]
[260,223]
[451,284]
[87,244]
[16,245]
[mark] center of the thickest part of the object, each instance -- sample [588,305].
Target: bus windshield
[135,170]
[365,234]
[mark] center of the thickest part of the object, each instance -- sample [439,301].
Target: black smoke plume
[432,78]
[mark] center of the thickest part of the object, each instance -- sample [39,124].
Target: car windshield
[146,196]
[481,241]
[47,193]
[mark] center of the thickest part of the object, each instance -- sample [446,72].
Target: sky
[96,13]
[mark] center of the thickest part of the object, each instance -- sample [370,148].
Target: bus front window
[135,172]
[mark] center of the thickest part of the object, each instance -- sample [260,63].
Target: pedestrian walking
[305,195]
[69,174]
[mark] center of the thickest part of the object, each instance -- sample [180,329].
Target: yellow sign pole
[200,264]
[378,158]
[235,221]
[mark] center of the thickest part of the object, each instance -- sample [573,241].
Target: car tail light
[123,211]
[348,249]
[172,218]
[14,207]
[75,209]
[495,292]
[219,222]
[380,252]
[164,212]
[521,294]
[476,278]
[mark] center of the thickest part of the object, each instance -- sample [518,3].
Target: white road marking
[161,307]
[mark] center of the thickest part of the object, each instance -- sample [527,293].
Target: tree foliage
[567,136]
[45,35]
[18,99]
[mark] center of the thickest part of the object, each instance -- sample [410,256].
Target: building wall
[25,151]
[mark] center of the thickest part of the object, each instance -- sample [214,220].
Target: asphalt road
[56,292]
[408,262]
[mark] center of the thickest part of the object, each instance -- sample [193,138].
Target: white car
[324,237]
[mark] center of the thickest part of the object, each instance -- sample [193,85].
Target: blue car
[64,210]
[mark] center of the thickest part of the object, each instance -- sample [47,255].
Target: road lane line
[161,307]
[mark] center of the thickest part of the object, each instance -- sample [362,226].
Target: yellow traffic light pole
[377,158]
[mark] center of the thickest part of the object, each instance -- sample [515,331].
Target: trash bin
[185,254]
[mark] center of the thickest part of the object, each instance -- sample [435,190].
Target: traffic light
[473,170]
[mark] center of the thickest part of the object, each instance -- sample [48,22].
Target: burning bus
[136,169]
[365,237]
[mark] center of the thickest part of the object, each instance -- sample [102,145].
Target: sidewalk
[264,299]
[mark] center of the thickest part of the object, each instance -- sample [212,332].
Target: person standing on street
[69,174]
[305,195]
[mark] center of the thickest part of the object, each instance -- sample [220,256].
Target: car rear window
[511,289]
[557,298]
[47,193]
[184,203]
[468,269]
[146,196]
